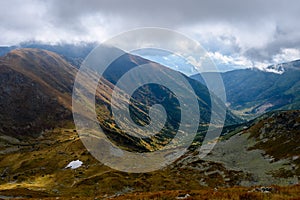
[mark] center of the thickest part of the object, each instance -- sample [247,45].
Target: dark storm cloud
[258,30]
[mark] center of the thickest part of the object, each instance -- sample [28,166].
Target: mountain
[151,94]
[35,91]
[127,62]
[38,140]
[253,92]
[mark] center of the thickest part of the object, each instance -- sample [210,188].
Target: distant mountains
[250,92]
[253,92]
[73,53]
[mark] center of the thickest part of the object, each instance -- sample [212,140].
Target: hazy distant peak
[281,67]
[277,69]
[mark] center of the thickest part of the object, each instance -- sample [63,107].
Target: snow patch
[74,164]
[277,69]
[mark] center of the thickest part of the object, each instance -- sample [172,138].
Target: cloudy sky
[235,33]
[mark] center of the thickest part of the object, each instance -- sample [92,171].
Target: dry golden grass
[233,193]
[37,170]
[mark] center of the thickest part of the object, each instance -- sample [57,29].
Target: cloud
[286,54]
[238,61]
[234,31]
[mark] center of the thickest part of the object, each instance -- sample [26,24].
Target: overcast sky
[234,32]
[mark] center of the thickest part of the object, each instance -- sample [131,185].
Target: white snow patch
[74,164]
[277,69]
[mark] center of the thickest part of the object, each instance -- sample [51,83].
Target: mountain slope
[268,148]
[36,91]
[36,94]
[36,88]
[251,91]
[127,62]
[38,168]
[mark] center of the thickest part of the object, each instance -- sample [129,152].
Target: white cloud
[286,55]
[260,65]
[238,33]
[221,58]
[235,61]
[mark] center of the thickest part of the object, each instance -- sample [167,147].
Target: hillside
[37,168]
[35,94]
[251,92]
[267,148]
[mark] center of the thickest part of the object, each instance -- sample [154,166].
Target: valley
[38,138]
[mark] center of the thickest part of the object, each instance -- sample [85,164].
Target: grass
[37,170]
[281,137]
[233,193]
[39,166]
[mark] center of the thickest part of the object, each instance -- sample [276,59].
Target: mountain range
[37,90]
[38,138]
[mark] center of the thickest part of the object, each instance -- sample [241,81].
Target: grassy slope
[39,166]
[268,147]
[234,193]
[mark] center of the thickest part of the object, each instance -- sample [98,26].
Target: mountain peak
[277,69]
[280,68]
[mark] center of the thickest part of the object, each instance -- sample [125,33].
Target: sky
[235,33]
